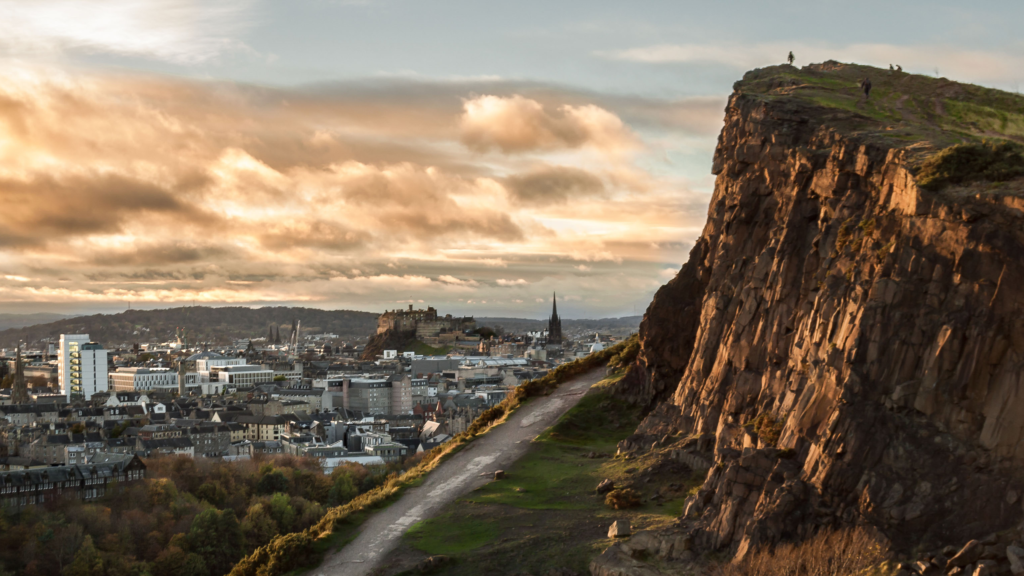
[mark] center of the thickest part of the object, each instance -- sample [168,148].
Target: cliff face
[853,343]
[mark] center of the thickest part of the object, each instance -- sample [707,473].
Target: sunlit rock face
[853,342]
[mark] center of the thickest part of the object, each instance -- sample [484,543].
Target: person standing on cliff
[790,58]
[865,85]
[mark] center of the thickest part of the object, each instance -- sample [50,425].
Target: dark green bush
[964,163]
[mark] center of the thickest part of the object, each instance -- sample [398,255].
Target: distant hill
[204,324]
[618,326]
[20,320]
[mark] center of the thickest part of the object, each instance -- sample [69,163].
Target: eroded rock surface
[849,346]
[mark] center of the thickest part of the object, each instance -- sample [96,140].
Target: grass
[922,114]
[547,505]
[423,349]
[451,535]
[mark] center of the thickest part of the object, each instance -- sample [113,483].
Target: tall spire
[19,391]
[555,323]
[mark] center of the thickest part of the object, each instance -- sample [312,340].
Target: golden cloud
[163,190]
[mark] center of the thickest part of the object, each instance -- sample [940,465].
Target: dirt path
[471,468]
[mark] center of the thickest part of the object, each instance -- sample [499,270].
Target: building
[367,395]
[146,379]
[206,361]
[241,375]
[554,324]
[20,488]
[425,323]
[81,367]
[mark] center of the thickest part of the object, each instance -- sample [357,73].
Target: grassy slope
[547,505]
[921,113]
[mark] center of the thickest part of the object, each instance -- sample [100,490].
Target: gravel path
[471,468]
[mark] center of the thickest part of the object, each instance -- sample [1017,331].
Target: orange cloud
[518,124]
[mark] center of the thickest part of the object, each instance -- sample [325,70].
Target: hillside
[843,347]
[204,324]
[22,320]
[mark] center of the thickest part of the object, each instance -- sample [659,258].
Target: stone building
[425,323]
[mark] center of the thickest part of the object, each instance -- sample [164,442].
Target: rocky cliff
[848,342]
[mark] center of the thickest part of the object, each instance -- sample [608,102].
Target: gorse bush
[622,499]
[964,163]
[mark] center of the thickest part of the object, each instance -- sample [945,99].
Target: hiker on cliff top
[790,58]
[865,85]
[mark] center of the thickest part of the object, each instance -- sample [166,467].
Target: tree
[258,527]
[217,537]
[272,482]
[87,561]
[176,562]
[343,490]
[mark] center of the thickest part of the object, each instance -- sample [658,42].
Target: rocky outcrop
[853,344]
[390,339]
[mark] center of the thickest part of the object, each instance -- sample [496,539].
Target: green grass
[904,109]
[419,347]
[545,514]
[450,534]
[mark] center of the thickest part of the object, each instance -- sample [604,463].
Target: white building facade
[145,379]
[81,367]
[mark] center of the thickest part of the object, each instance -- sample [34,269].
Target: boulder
[617,562]
[619,529]
[985,568]
[605,486]
[969,554]
[499,474]
[1015,555]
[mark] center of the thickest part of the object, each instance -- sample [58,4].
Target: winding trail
[471,468]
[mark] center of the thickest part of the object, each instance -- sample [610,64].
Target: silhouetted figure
[891,68]
[899,68]
[865,85]
[790,58]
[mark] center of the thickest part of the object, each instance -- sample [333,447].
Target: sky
[368,154]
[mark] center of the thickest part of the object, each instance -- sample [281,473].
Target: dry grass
[844,552]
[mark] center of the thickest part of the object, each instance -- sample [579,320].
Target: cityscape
[448,288]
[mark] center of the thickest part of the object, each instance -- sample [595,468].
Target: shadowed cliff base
[844,345]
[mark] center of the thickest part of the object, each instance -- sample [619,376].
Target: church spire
[19,392]
[555,323]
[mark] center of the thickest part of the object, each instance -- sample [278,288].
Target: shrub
[991,161]
[829,553]
[622,499]
[767,428]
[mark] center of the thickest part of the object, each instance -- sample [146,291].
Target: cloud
[314,234]
[517,124]
[124,187]
[178,31]
[952,61]
[553,185]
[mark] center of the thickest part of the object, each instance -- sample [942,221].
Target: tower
[81,367]
[554,324]
[181,376]
[19,392]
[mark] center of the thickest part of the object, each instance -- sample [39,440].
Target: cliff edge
[846,342]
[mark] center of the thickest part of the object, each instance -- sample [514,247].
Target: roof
[205,356]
